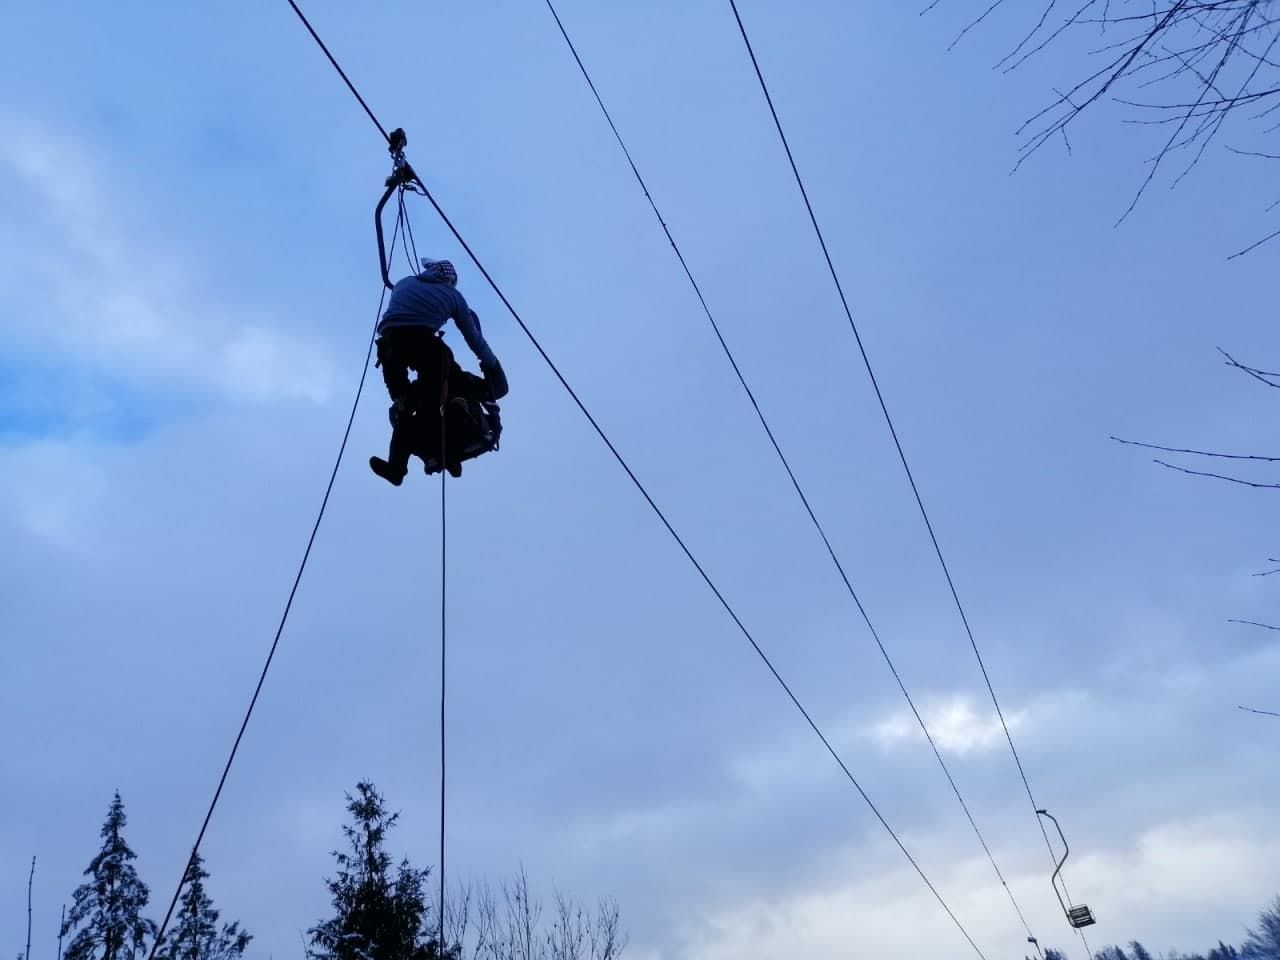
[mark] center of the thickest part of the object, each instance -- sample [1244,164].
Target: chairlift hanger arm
[1066,851]
[402,176]
[392,185]
[1077,916]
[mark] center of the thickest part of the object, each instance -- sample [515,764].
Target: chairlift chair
[1078,915]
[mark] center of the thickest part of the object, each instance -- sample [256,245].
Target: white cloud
[957,726]
[78,286]
[1181,882]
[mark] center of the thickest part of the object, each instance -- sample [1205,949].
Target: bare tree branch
[30,880]
[1201,63]
[1254,246]
[1254,623]
[1254,153]
[1260,375]
[510,926]
[1201,453]
[1265,713]
[1220,476]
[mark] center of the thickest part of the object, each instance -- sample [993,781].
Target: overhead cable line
[884,409]
[342,73]
[640,487]
[284,617]
[777,449]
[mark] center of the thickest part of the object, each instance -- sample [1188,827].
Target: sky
[188,281]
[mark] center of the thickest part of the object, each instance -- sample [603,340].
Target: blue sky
[188,281]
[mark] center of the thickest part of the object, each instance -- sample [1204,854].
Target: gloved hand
[399,408]
[496,378]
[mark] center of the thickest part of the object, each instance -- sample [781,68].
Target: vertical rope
[411,246]
[444,569]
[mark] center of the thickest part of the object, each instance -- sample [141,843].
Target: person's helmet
[440,271]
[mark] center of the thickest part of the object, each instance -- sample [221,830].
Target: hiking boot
[386,471]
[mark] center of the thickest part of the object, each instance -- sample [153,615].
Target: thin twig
[1259,375]
[1220,476]
[1265,713]
[1201,453]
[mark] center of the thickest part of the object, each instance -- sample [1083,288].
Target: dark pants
[420,426]
[401,349]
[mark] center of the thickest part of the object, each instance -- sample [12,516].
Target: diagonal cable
[672,531]
[284,618]
[635,480]
[884,409]
[795,483]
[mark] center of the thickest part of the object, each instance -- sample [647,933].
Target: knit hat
[439,271]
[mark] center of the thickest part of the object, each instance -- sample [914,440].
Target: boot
[386,471]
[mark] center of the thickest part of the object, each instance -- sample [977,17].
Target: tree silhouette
[1264,942]
[379,914]
[107,909]
[196,934]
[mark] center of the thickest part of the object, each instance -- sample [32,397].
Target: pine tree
[195,934]
[107,909]
[1264,943]
[377,915]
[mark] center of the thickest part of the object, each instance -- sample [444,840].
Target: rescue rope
[444,569]
[411,249]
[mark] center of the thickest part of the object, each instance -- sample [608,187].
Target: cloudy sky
[187,283]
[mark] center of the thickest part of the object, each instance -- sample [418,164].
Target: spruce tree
[379,914]
[1264,942]
[195,934]
[107,909]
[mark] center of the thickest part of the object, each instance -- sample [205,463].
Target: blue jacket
[428,300]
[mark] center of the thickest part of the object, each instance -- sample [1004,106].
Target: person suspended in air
[445,415]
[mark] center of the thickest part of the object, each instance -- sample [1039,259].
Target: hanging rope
[411,247]
[284,618]
[411,253]
[444,571]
